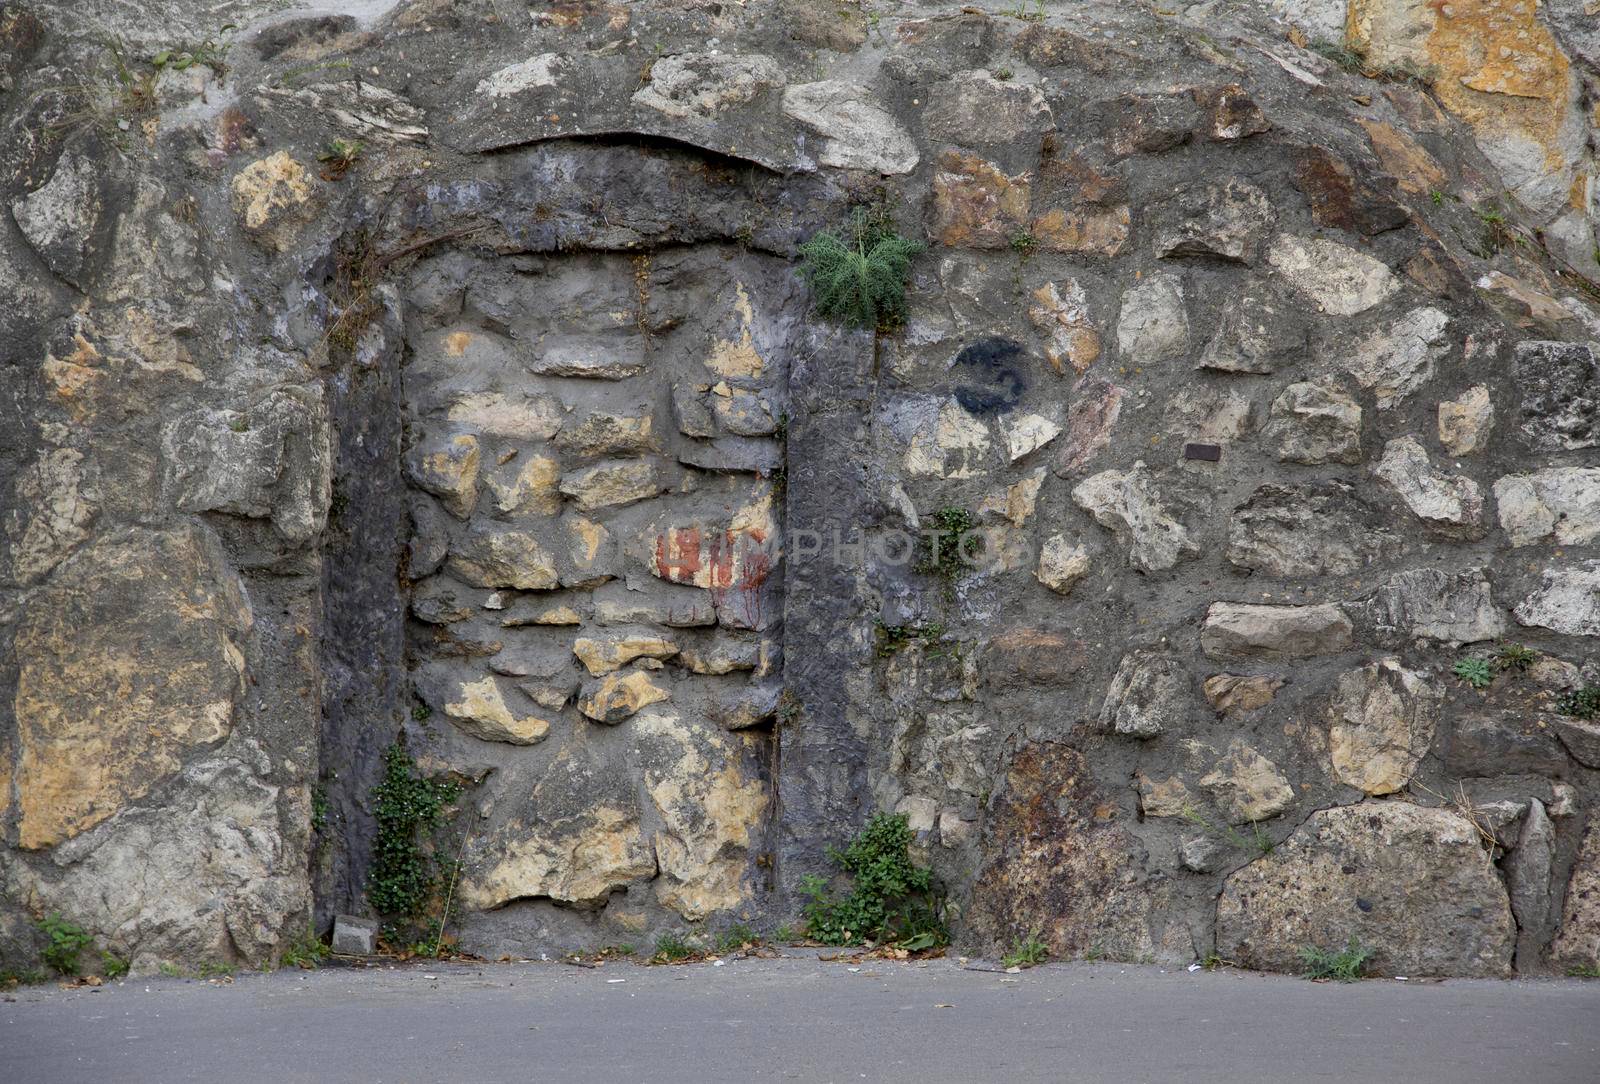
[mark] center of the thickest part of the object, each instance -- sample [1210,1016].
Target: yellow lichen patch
[709,815]
[734,358]
[481,711]
[271,191]
[620,695]
[1412,167]
[603,656]
[75,378]
[1498,67]
[126,662]
[579,859]
[455,343]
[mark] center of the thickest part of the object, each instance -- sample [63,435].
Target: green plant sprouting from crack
[891,900]
[65,940]
[1346,965]
[407,808]
[858,273]
[1581,703]
[1258,841]
[1474,672]
[1026,952]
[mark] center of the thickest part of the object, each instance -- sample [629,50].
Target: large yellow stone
[127,659]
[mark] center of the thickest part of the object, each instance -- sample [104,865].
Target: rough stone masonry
[442,373]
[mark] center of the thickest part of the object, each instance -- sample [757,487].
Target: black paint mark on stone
[993,367]
[1209,453]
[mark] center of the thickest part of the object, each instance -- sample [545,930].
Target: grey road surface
[798,1019]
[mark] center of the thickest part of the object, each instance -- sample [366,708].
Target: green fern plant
[858,273]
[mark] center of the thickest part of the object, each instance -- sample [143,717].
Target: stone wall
[1266,382]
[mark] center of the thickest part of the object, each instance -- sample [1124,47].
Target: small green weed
[1003,74]
[944,550]
[319,808]
[784,933]
[338,157]
[1584,971]
[1581,703]
[305,951]
[66,940]
[1437,197]
[210,53]
[891,900]
[1023,243]
[1212,962]
[1514,658]
[1026,952]
[170,970]
[112,965]
[1474,672]
[737,937]
[216,969]
[858,273]
[671,948]
[1346,965]
[893,639]
[9,979]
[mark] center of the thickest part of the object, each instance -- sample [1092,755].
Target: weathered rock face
[1391,875]
[154,622]
[517,438]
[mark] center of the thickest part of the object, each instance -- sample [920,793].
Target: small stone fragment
[1314,423]
[480,709]
[1128,503]
[1248,785]
[448,469]
[354,936]
[1148,695]
[1060,311]
[607,485]
[1232,694]
[1382,723]
[1062,564]
[1153,325]
[1342,281]
[1237,630]
[1559,501]
[1448,504]
[1566,601]
[1465,423]
[615,697]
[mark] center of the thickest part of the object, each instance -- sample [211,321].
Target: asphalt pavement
[798,1018]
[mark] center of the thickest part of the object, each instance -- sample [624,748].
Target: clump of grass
[1258,840]
[1474,672]
[1346,965]
[737,938]
[1023,243]
[1026,952]
[858,273]
[1514,658]
[1584,971]
[114,966]
[891,900]
[671,948]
